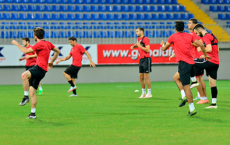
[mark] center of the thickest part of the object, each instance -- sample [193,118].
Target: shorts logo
[2,58]
[60,54]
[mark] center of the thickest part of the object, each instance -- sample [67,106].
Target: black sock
[74,92]
[71,83]
[26,96]
[32,114]
[214,92]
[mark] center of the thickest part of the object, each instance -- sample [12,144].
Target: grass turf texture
[111,113]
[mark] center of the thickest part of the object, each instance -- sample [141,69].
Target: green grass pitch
[112,113]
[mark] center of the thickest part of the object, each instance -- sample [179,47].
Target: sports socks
[182,94]
[149,91]
[198,94]
[143,91]
[40,88]
[214,95]
[193,79]
[71,83]
[191,107]
[33,110]
[26,93]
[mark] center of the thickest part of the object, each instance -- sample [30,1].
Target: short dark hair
[26,39]
[39,32]
[179,26]
[141,29]
[73,38]
[194,21]
[198,26]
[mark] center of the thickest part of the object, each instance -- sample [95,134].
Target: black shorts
[72,71]
[185,70]
[211,68]
[29,67]
[145,65]
[37,74]
[199,71]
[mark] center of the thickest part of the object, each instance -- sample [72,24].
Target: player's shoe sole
[24,101]
[148,96]
[193,85]
[211,107]
[71,89]
[142,96]
[183,102]
[203,101]
[31,117]
[192,113]
[73,95]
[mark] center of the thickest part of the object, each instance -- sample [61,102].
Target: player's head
[198,30]
[192,23]
[140,32]
[72,41]
[38,33]
[179,26]
[25,41]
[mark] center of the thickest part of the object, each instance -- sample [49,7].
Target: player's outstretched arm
[173,55]
[23,49]
[56,53]
[165,46]
[90,59]
[64,59]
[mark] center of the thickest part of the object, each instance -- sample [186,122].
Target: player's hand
[163,43]
[20,59]
[14,42]
[27,56]
[202,56]
[170,58]
[207,57]
[57,62]
[50,65]
[199,49]
[132,47]
[138,44]
[92,64]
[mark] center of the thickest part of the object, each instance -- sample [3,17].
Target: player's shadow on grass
[39,122]
[208,119]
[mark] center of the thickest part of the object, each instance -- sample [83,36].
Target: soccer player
[37,73]
[182,46]
[72,71]
[211,66]
[31,61]
[143,46]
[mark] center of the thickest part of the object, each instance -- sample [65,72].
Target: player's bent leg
[142,82]
[68,78]
[33,103]
[212,83]
[25,82]
[203,98]
[74,91]
[176,78]
[148,83]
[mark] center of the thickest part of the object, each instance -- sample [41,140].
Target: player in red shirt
[182,47]
[143,46]
[37,73]
[31,61]
[211,66]
[72,71]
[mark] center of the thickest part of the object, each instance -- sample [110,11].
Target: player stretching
[37,73]
[143,46]
[182,47]
[31,61]
[71,72]
[211,66]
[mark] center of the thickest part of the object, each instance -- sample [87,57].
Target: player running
[72,71]
[182,47]
[143,45]
[211,66]
[31,61]
[35,74]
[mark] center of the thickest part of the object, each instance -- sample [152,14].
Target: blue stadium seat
[22,25]
[146,8]
[205,1]
[7,8]
[161,9]
[38,24]
[109,16]
[64,1]
[94,25]
[31,8]
[170,25]
[147,17]
[79,34]
[63,8]
[15,7]
[118,34]
[46,25]
[86,1]
[55,34]
[47,16]
[169,8]
[102,16]
[94,16]
[116,1]
[86,8]
[71,25]
[102,8]
[40,1]
[86,16]
[71,8]
[117,8]
[184,16]
[220,8]
[88,34]
[212,1]
[94,8]
[109,8]
[190,16]
[153,8]
[162,16]
[5,25]
[213,8]
[79,1]
[219,1]
[47,34]
[71,34]
[39,8]
[1,8]
[31,1]
[110,34]
[221,17]
[14,16]
[147,1]
[118,25]
[94,1]
[148,34]
[55,1]
[54,25]
[140,24]
[96,34]
[182,8]
[132,2]
[6,16]
[48,1]
[21,34]
[132,17]
[101,25]
[55,8]
[124,8]
[140,17]
[102,1]
[155,17]
[227,16]
[55,17]
[63,25]
[71,17]
[86,25]
[176,16]
[71,1]
[125,17]
[47,8]
[139,2]
[4,34]
[78,16]
[117,17]
[169,16]
[13,34]
[14,25]
[132,25]
[15,1]
[227,8]
[109,1]
[227,1]
[79,8]
[22,16]
[31,16]
[139,8]
[176,8]
[132,9]
[103,34]
[126,34]
[63,16]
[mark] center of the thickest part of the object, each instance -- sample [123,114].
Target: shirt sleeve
[70,52]
[51,46]
[206,40]
[170,40]
[83,50]
[146,41]
[36,47]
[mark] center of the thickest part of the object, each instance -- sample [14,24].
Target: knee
[23,76]
[175,78]
[146,77]
[141,77]
[31,94]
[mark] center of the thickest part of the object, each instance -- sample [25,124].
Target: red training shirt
[182,46]
[142,53]
[31,61]
[77,52]
[214,54]
[195,53]
[43,48]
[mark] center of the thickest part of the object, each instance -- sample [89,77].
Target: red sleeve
[70,52]
[170,40]
[82,49]
[36,47]
[146,41]
[51,46]
[206,40]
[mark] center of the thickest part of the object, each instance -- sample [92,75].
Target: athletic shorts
[211,68]
[185,70]
[72,71]
[198,71]
[29,67]
[145,65]
[37,74]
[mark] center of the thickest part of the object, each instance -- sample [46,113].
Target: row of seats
[64,16]
[219,8]
[224,16]
[87,34]
[228,24]
[215,1]
[93,1]
[93,8]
